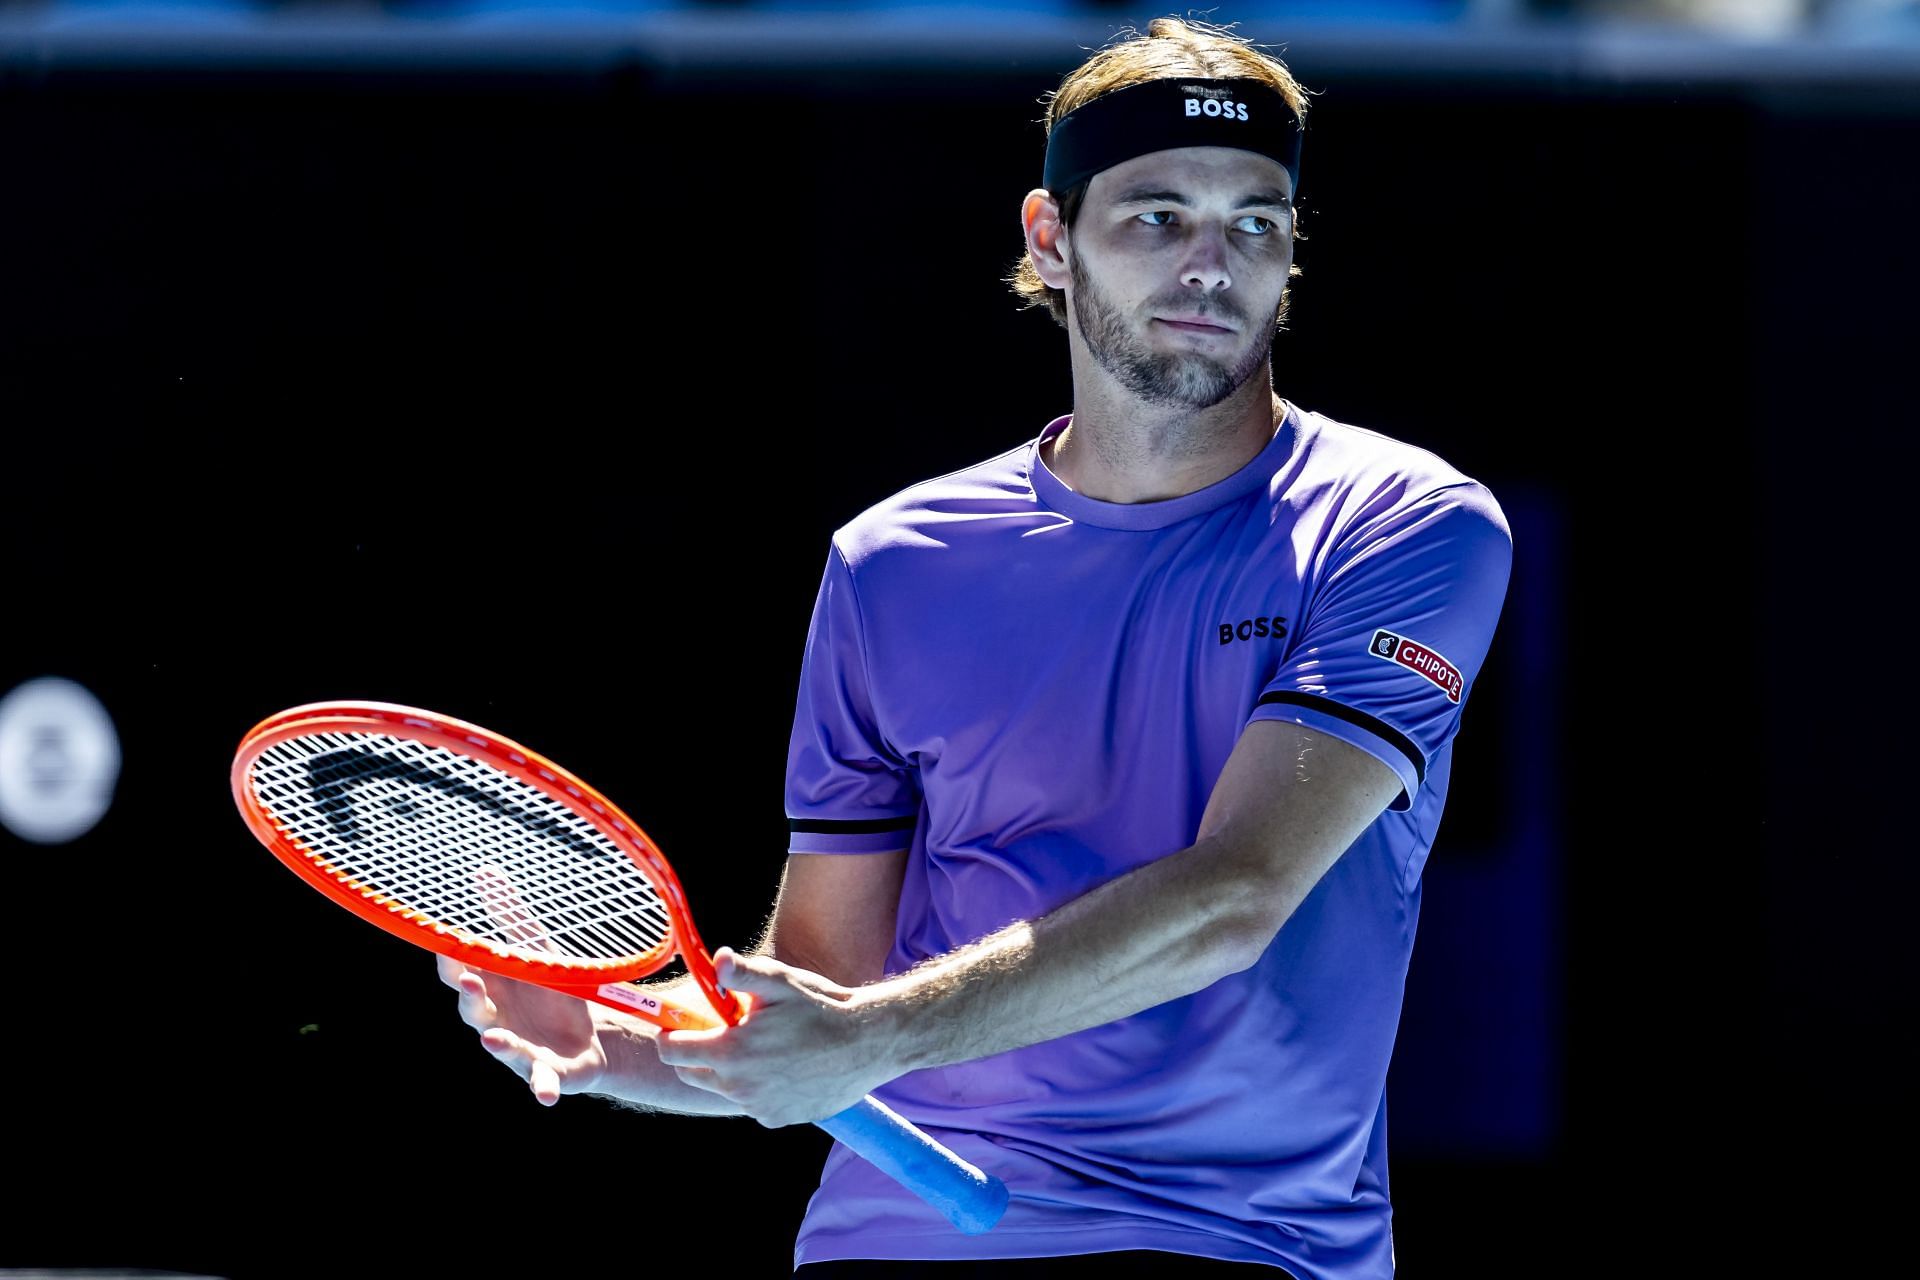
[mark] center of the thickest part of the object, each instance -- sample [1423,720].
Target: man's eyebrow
[1268,197]
[1272,197]
[1147,195]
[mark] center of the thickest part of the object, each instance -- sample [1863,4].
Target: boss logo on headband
[1216,107]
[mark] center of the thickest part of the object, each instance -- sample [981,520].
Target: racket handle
[971,1200]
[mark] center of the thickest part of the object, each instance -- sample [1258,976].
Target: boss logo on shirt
[1415,656]
[1249,628]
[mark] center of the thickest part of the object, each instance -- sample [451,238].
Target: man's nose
[1206,264]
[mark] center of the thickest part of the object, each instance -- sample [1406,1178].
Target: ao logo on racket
[1415,656]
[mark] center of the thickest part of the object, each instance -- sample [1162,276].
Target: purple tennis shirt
[1034,692]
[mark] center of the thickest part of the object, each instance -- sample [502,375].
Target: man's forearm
[1163,930]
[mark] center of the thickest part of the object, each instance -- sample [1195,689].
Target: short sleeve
[848,790]
[1397,630]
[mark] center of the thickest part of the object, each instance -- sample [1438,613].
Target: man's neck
[1126,454]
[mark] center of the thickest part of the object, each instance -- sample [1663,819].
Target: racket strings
[461,845]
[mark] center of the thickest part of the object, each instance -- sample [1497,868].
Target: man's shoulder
[1357,451]
[1368,470]
[925,512]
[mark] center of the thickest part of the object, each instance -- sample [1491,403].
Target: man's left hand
[807,1049]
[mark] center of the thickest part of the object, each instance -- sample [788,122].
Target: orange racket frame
[610,986]
[970,1199]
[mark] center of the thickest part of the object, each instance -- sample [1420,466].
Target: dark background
[524,378]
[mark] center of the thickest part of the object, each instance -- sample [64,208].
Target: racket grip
[971,1200]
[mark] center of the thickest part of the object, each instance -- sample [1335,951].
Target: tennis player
[1115,761]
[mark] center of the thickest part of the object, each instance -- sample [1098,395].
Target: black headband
[1160,115]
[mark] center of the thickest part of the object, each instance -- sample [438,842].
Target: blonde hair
[1171,48]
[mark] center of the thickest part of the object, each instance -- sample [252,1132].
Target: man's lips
[1193,324]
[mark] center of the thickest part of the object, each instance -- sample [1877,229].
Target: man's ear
[1046,237]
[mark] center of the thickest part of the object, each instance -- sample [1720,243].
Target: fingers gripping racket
[468,844]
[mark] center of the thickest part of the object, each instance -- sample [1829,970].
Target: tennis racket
[468,844]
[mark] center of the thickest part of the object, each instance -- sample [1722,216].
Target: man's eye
[1260,226]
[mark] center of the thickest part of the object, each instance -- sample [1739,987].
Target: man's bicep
[1297,796]
[1391,648]
[835,913]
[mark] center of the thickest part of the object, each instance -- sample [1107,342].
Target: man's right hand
[548,1039]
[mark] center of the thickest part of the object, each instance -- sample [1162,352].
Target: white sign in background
[59,760]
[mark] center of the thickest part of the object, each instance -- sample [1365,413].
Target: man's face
[1179,262]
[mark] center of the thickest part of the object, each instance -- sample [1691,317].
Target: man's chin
[1187,393]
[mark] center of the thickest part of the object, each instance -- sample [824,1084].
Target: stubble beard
[1187,380]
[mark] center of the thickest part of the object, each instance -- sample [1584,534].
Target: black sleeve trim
[815,826]
[1329,707]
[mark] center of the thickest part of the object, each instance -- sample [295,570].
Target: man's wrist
[621,1040]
